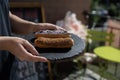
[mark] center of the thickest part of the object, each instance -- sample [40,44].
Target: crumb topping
[52,32]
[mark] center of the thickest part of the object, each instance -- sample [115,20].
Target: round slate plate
[54,54]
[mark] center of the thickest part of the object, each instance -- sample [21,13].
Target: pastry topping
[52,32]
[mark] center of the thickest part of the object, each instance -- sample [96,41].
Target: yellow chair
[110,52]
[100,43]
[94,39]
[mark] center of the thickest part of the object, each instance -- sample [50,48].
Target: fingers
[28,56]
[57,27]
[34,58]
[32,54]
[61,28]
[30,48]
[45,26]
[49,26]
[27,52]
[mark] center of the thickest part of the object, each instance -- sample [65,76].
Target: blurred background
[77,16]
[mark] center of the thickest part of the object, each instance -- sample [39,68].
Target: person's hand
[45,26]
[21,48]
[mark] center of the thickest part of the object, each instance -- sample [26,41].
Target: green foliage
[96,5]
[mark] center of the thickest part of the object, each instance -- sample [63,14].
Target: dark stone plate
[55,54]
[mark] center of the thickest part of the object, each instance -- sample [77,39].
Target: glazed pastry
[43,42]
[52,34]
[53,39]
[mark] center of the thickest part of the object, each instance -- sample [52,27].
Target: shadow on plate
[53,50]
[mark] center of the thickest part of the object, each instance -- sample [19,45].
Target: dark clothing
[6,59]
[20,70]
[4,18]
[4,27]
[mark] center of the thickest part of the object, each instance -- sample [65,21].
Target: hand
[21,48]
[45,26]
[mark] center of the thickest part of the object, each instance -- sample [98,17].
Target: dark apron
[6,59]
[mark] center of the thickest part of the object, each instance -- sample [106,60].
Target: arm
[19,25]
[21,48]
[24,27]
